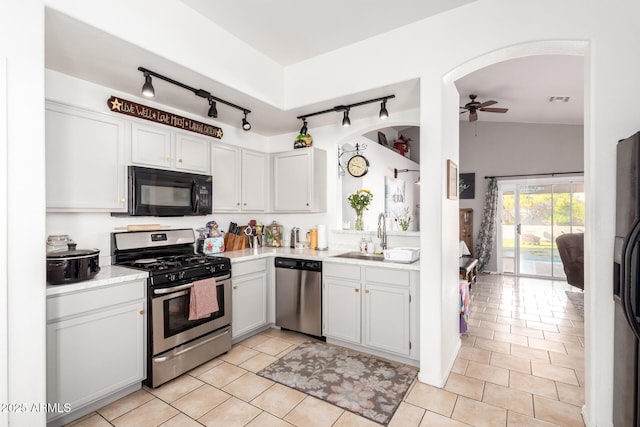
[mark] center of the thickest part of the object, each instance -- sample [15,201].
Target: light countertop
[312,254]
[112,274]
[108,275]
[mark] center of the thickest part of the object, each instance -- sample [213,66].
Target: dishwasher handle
[298,264]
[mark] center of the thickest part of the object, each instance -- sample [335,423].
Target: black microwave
[157,192]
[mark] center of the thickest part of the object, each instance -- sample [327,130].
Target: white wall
[382,161]
[22,313]
[490,148]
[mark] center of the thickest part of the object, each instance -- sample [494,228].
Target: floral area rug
[577,300]
[357,382]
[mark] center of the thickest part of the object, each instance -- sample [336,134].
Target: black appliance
[626,289]
[176,344]
[158,192]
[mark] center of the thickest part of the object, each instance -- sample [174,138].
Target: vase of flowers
[360,202]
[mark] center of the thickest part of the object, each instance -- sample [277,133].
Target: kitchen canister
[313,240]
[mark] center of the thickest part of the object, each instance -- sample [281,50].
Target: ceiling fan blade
[462,112]
[495,110]
[473,116]
[487,103]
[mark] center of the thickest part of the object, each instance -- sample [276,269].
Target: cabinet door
[151,146]
[249,301]
[254,179]
[192,154]
[91,356]
[341,302]
[386,317]
[226,178]
[292,176]
[85,160]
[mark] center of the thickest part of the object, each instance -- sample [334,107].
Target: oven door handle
[164,291]
[191,347]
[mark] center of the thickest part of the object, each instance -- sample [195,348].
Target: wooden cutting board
[141,227]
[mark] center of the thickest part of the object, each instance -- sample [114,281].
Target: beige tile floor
[521,364]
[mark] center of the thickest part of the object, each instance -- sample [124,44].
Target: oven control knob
[171,277]
[181,275]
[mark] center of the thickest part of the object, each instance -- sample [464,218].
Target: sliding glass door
[534,213]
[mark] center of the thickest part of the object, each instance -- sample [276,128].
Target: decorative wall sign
[394,197]
[467,185]
[134,109]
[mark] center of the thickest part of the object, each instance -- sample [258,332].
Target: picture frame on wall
[467,186]
[382,139]
[452,180]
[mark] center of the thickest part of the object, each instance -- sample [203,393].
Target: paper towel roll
[322,237]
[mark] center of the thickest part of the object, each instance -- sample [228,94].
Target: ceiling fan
[474,106]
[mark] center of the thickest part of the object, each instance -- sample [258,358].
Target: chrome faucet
[382,231]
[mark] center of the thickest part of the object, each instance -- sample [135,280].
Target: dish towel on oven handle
[204,299]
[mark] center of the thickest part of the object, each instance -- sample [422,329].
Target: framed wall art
[452,180]
[467,186]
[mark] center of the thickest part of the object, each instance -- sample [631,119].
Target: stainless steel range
[175,343]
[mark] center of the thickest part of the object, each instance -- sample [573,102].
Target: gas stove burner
[196,259]
[145,261]
[163,265]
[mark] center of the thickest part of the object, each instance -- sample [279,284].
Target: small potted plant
[404,219]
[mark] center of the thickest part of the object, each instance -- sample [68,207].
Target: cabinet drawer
[248,267]
[93,299]
[343,271]
[390,276]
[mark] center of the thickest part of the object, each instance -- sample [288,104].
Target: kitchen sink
[360,255]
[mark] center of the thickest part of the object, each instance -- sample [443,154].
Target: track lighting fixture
[397,171]
[147,87]
[346,121]
[384,114]
[245,124]
[303,129]
[213,111]
[148,91]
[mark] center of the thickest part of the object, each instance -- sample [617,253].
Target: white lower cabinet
[342,309]
[95,344]
[371,307]
[386,318]
[249,296]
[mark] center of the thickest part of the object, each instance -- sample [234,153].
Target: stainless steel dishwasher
[299,295]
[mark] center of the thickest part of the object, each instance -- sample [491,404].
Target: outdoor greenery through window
[533,215]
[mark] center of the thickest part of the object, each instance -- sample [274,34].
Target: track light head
[346,122]
[384,114]
[213,110]
[147,87]
[245,124]
[303,129]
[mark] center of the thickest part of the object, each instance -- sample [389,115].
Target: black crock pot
[72,265]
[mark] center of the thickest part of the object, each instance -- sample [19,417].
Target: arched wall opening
[440,123]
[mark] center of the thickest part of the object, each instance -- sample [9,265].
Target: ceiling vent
[559,99]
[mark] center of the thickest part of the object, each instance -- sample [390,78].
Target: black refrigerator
[626,284]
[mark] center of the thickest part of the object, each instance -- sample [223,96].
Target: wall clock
[358,166]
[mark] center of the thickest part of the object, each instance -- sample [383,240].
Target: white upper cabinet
[85,160]
[299,180]
[156,146]
[254,180]
[240,179]
[192,153]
